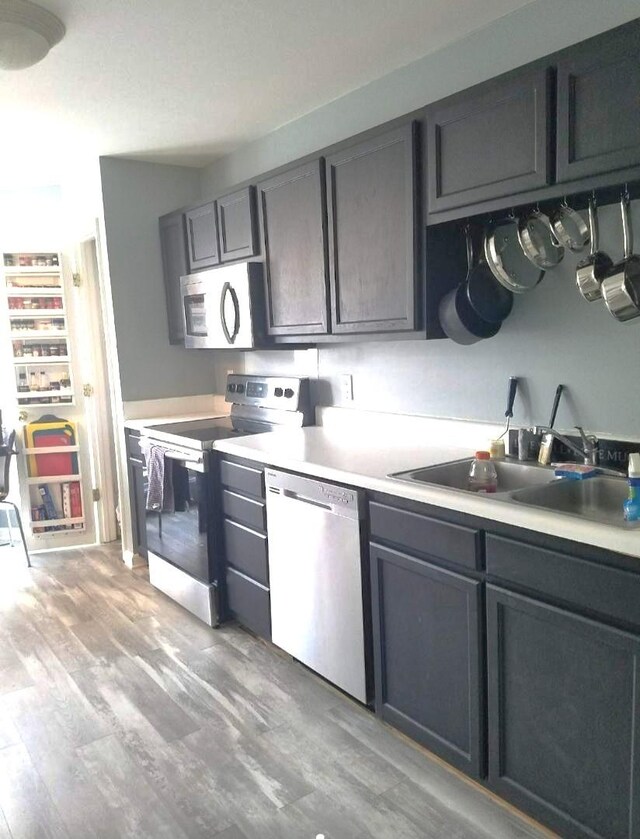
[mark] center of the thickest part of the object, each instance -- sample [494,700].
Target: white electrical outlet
[346,387]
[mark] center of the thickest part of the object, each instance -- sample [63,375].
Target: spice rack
[38,329]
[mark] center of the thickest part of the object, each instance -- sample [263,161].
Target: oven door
[185,537]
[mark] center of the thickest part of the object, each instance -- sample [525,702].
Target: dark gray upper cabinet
[427,654]
[372,203]
[173,247]
[237,225]
[202,236]
[598,99]
[563,717]
[292,209]
[490,141]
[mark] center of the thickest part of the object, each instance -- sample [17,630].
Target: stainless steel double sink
[597,499]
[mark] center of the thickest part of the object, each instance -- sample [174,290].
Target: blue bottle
[631,506]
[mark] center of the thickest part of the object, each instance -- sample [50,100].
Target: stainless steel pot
[591,271]
[570,228]
[621,287]
[538,241]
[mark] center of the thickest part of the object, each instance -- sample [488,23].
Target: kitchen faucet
[589,450]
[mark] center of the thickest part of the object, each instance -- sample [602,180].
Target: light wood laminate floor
[122,715]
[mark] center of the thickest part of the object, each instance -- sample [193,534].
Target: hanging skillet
[506,259]
[489,299]
[458,319]
[538,241]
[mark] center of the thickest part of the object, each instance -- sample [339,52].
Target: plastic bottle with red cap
[482,474]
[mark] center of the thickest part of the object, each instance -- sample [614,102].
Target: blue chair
[7,451]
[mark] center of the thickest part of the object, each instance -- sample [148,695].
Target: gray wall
[134,195]
[552,336]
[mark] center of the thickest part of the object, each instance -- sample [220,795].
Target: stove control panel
[285,393]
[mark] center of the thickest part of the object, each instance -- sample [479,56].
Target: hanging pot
[570,228]
[538,241]
[621,287]
[591,271]
[506,260]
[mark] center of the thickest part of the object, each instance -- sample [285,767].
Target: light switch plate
[346,387]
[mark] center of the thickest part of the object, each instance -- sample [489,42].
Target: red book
[76,500]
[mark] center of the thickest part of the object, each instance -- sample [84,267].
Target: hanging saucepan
[458,319]
[621,286]
[506,260]
[591,271]
[538,241]
[569,228]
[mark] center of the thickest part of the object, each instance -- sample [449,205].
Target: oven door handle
[227,288]
[196,465]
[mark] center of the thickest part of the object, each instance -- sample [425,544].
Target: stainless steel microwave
[223,308]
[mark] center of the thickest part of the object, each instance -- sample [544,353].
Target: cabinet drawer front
[427,651]
[133,445]
[245,510]
[453,543]
[246,551]
[202,236]
[611,592]
[598,93]
[249,603]
[242,478]
[236,225]
[563,717]
[489,142]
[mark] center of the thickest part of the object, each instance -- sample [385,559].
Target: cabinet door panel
[292,219]
[236,225]
[173,247]
[202,237]
[563,717]
[598,95]
[489,142]
[427,650]
[373,234]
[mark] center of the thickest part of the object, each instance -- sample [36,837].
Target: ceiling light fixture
[27,33]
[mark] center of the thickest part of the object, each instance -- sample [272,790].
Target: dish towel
[159,479]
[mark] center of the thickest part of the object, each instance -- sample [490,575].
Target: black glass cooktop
[204,430]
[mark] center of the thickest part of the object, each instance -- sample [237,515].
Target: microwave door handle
[230,336]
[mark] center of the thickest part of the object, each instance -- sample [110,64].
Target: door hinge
[77,280]
[96,494]
[87,390]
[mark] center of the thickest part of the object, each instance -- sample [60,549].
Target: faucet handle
[589,441]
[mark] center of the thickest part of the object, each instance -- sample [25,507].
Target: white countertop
[141,423]
[361,458]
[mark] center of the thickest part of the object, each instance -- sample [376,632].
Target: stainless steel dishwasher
[316,577]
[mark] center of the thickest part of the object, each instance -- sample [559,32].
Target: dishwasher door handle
[294,496]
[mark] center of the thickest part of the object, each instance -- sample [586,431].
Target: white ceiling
[184,81]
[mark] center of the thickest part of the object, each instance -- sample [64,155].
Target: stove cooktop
[200,434]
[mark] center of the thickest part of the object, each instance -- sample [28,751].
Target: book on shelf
[75,501]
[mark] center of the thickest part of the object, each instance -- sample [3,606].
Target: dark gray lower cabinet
[137,494]
[248,598]
[563,717]
[428,655]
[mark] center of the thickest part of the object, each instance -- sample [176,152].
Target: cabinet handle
[230,336]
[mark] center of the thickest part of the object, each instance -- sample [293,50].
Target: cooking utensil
[538,241]
[458,318]
[591,271]
[511,398]
[546,440]
[570,228]
[556,403]
[621,287]
[506,260]
[489,299]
